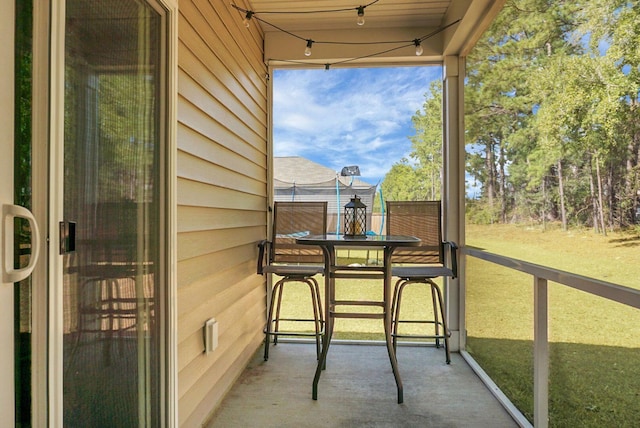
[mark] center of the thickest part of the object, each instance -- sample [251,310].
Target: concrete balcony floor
[358,390]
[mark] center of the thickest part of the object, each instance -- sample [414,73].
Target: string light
[247,18]
[360,15]
[403,44]
[418,45]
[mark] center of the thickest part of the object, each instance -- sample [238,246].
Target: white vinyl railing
[541,276]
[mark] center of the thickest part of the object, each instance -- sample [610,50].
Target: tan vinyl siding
[221,195]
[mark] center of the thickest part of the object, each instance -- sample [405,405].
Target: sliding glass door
[111,231]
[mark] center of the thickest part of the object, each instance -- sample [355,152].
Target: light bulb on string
[307,50]
[360,20]
[247,18]
[419,49]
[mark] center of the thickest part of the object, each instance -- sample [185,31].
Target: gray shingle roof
[299,170]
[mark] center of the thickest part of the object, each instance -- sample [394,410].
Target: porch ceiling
[385,20]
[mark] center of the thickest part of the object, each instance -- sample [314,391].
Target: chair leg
[318,301]
[436,321]
[395,310]
[435,287]
[276,328]
[438,312]
[317,313]
[273,316]
[110,285]
[394,316]
[321,337]
[267,331]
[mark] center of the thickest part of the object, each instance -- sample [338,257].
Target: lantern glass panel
[355,218]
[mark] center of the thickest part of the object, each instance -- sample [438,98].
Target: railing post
[453,188]
[540,354]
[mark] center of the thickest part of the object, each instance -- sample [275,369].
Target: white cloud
[349,116]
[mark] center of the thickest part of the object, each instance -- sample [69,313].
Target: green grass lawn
[613,258]
[595,344]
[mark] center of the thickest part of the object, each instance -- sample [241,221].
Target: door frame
[39,177]
[39,121]
[54,211]
[7,92]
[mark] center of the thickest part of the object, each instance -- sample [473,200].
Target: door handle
[9,273]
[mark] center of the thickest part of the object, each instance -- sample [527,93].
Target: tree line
[551,117]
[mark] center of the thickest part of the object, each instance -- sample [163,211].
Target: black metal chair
[434,258]
[293,263]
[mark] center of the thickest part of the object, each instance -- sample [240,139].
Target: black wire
[372,55]
[438,30]
[361,43]
[326,42]
[406,43]
[291,12]
[411,43]
[280,29]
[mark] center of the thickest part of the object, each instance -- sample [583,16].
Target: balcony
[358,389]
[551,374]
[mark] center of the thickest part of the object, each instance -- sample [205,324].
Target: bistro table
[328,243]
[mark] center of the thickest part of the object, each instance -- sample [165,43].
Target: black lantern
[355,217]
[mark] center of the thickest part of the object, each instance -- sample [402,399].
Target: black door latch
[67,237]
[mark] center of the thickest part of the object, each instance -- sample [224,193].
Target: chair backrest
[421,219]
[292,220]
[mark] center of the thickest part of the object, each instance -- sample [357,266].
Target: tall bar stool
[434,258]
[292,262]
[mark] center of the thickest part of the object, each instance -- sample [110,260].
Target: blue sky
[351,116]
